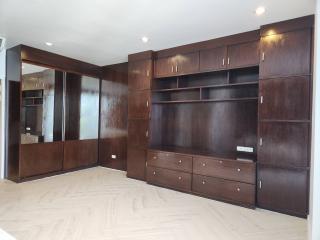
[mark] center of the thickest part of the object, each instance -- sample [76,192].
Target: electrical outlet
[113,156]
[244,149]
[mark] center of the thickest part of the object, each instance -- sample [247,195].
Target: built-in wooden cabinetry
[140,75]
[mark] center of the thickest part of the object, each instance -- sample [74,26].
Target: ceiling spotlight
[145,39]
[260,11]
[49,44]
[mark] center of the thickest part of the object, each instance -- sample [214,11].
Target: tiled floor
[100,203]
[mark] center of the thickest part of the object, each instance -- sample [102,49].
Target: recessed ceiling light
[260,11]
[49,44]
[145,39]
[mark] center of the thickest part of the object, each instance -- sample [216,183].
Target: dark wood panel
[140,74]
[213,59]
[80,153]
[237,170]
[285,98]
[236,192]
[116,146]
[283,190]
[284,144]
[288,25]
[141,56]
[59,62]
[214,127]
[136,163]
[171,161]
[245,54]
[40,158]
[58,106]
[138,104]
[286,54]
[113,116]
[138,133]
[169,178]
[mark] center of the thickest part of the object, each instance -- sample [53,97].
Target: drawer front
[169,178]
[172,161]
[227,169]
[241,193]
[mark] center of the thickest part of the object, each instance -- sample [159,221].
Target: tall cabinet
[285,116]
[140,74]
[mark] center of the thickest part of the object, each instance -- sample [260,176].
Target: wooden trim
[140,56]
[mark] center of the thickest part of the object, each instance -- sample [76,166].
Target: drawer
[169,178]
[236,170]
[221,189]
[172,161]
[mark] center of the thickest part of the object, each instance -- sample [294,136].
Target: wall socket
[113,156]
[244,149]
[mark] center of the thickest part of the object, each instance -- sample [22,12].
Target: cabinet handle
[172,69]
[228,61]
[176,68]
[220,162]
[147,133]
[203,164]
[180,161]
[148,73]
[179,178]
[260,184]
[238,189]
[239,170]
[203,182]
[261,99]
[147,103]
[263,56]
[154,157]
[260,141]
[223,62]
[154,173]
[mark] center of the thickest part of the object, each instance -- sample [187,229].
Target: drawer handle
[154,173]
[239,170]
[238,189]
[179,178]
[154,157]
[203,182]
[167,155]
[203,164]
[220,162]
[180,161]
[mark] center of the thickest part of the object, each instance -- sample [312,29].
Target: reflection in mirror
[39,106]
[82,107]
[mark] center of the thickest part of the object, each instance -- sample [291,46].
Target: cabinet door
[283,190]
[136,163]
[284,144]
[213,59]
[140,75]
[242,55]
[286,54]
[138,133]
[285,98]
[187,63]
[41,158]
[138,104]
[165,67]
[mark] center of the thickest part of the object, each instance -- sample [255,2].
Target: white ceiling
[105,31]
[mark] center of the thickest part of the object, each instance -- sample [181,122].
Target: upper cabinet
[140,75]
[213,59]
[177,65]
[286,54]
[243,55]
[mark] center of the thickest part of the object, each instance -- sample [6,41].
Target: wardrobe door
[213,59]
[243,55]
[283,190]
[165,67]
[286,54]
[138,104]
[136,162]
[187,63]
[138,132]
[139,75]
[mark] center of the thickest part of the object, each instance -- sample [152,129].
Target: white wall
[2,102]
[314,218]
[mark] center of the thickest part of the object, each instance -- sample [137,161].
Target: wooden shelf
[208,86]
[207,100]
